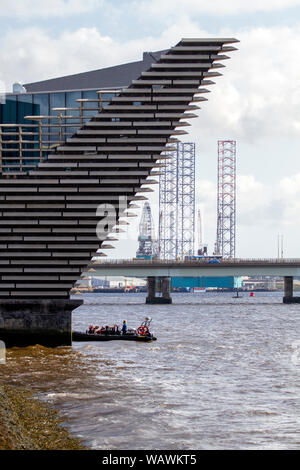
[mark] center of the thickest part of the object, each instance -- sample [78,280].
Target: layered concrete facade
[49,217]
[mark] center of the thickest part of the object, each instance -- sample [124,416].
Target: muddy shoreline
[28,424]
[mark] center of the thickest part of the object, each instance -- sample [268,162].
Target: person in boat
[92,329]
[99,331]
[124,328]
[144,329]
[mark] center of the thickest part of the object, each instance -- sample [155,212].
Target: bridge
[165,269]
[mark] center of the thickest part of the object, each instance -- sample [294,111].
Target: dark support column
[27,322]
[288,286]
[151,287]
[288,291]
[165,286]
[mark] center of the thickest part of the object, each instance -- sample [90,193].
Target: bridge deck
[179,268]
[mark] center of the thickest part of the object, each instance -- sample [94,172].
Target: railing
[21,143]
[23,146]
[223,262]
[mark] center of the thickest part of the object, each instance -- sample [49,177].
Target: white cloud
[45,8]
[258,98]
[266,211]
[28,9]
[31,54]
[263,211]
[217,7]
[267,204]
[259,203]
[289,189]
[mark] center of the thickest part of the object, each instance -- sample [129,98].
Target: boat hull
[80,336]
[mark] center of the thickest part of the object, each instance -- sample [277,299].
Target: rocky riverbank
[28,424]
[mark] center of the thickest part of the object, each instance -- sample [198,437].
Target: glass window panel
[71,102]
[88,113]
[11,162]
[71,97]
[9,110]
[45,133]
[107,96]
[54,137]
[41,102]
[71,131]
[24,108]
[91,95]
[57,100]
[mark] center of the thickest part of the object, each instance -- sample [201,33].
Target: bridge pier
[165,287]
[47,322]
[288,291]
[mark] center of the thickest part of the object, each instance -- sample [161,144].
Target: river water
[224,373]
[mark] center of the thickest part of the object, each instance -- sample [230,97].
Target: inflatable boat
[109,333]
[81,336]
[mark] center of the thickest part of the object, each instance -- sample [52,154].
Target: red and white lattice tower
[226,204]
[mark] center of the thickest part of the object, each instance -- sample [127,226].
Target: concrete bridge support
[165,287]
[45,321]
[288,291]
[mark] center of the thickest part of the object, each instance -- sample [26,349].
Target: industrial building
[177,203]
[226,199]
[204,282]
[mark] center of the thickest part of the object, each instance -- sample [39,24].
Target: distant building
[260,282]
[228,282]
[96,282]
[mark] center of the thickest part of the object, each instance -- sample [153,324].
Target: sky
[256,102]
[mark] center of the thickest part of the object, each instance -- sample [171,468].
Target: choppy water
[223,374]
